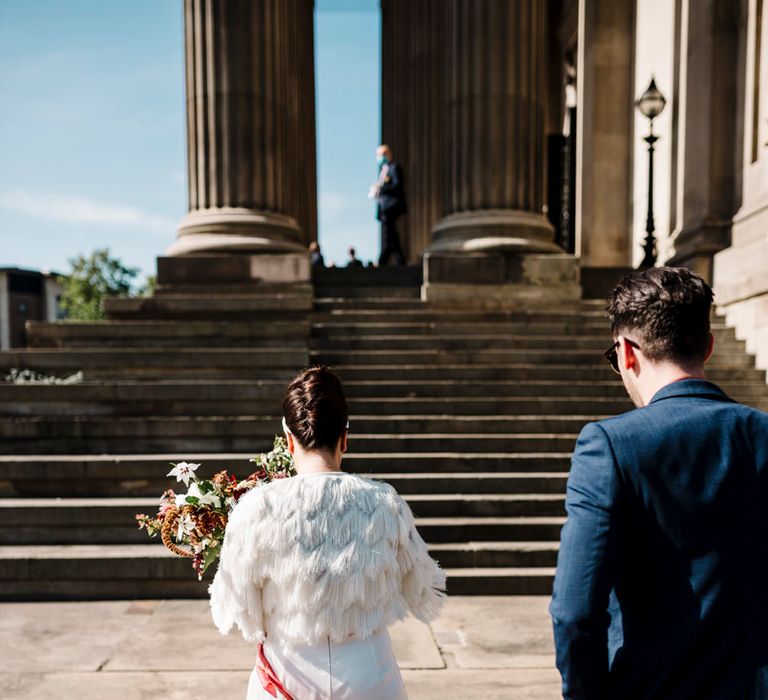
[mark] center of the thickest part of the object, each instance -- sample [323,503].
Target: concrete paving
[490,647]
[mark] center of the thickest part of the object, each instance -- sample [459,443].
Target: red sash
[269,680]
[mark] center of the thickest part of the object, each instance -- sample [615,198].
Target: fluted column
[710,135]
[250,126]
[413,65]
[302,158]
[493,155]
[394,98]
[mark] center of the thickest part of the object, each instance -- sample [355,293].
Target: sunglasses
[612,354]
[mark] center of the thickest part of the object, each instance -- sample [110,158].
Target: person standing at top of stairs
[389,193]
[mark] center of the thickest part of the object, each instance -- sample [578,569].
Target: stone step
[111,521]
[73,512]
[433,356]
[424,313]
[388,303]
[491,505]
[229,288]
[126,364]
[507,387]
[205,306]
[96,572]
[66,359]
[573,327]
[120,485]
[85,427]
[68,405]
[145,474]
[500,581]
[475,341]
[250,333]
[496,554]
[356,277]
[132,390]
[427,314]
[469,529]
[233,442]
[603,385]
[141,571]
[367,293]
[264,426]
[502,371]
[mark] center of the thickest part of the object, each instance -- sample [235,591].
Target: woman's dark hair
[668,307]
[315,409]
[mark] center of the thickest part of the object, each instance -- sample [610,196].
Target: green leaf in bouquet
[210,556]
[205,486]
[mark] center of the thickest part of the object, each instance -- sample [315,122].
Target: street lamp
[651,104]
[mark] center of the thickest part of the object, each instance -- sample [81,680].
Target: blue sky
[92,128]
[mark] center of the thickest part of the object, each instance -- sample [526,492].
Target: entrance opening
[348,108]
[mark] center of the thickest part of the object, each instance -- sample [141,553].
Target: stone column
[711,150]
[741,270]
[493,158]
[302,104]
[413,49]
[604,132]
[494,247]
[394,100]
[250,127]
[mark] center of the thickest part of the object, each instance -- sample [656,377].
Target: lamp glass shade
[651,103]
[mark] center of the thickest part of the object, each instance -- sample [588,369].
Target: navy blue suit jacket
[391,200]
[662,578]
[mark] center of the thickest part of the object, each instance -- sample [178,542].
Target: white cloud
[77,210]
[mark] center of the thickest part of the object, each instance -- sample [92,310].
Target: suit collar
[690,387]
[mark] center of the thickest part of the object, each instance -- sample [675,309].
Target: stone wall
[741,271]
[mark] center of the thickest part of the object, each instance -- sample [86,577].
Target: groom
[662,579]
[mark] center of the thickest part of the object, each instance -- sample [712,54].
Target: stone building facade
[516,125]
[26,295]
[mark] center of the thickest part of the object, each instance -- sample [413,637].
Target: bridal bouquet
[197,519]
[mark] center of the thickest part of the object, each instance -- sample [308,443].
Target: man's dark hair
[315,409]
[668,308]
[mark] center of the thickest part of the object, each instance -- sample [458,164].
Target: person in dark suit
[661,588]
[353,260]
[315,256]
[389,192]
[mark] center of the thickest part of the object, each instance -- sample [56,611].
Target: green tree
[148,288]
[92,279]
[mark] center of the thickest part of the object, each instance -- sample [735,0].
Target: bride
[316,567]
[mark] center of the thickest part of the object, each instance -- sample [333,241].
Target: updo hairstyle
[315,409]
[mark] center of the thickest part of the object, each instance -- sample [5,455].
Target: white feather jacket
[326,555]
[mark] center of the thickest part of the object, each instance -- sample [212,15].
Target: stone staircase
[471,415]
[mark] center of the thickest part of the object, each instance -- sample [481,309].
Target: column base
[494,230]
[696,247]
[498,280]
[235,230]
[218,270]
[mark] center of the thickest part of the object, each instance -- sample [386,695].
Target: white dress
[316,567]
[354,670]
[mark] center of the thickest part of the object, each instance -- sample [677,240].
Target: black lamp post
[651,104]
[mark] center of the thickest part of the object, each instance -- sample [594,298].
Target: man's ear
[710,347]
[630,357]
